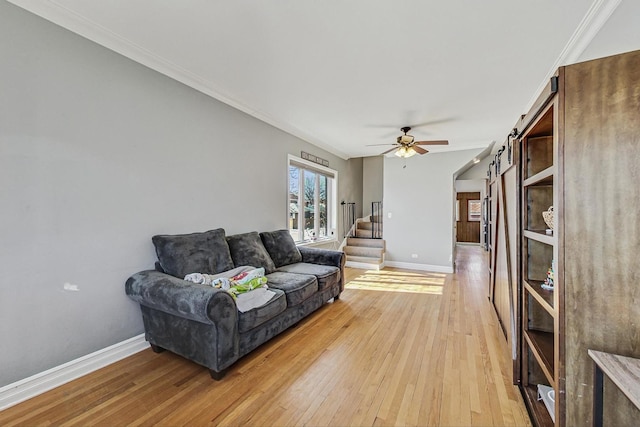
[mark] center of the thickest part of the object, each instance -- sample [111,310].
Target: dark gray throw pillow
[281,247]
[183,254]
[247,249]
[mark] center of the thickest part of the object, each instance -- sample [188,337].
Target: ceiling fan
[406,146]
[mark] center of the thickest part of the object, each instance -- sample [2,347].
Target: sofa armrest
[322,256]
[178,297]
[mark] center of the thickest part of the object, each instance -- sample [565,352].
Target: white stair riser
[369,243]
[363,251]
[369,226]
[365,234]
[367,259]
[364,265]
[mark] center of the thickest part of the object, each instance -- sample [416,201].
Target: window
[312,201]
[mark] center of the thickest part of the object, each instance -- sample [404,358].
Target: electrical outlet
[414,255]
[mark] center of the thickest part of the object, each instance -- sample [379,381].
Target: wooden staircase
[364,251]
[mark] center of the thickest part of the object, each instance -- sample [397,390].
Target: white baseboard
[34,385]
[422,267]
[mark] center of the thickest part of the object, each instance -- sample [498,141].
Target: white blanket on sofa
[252,299]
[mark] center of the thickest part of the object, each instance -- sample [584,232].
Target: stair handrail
[348,217]
[376,226]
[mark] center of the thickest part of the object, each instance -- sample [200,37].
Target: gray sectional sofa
[202,323]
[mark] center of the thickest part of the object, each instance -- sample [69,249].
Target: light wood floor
[399,348]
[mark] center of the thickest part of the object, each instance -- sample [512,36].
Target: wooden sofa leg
[336,298]
[156,349]
[217,375]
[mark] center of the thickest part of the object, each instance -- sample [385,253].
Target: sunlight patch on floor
[399,281]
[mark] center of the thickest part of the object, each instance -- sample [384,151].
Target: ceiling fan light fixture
[404,152]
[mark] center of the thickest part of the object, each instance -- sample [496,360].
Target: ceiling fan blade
[388,151]
[439,142]
[420,150]
[375,145]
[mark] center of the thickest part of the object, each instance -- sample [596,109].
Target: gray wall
[420,198]
[621,33]
[372,182]
[97,154]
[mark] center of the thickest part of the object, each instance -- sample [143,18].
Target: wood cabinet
[579,151]
[541,314]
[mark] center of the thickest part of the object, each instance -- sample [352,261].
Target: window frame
[331,195]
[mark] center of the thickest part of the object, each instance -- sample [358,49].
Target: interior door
[469,217]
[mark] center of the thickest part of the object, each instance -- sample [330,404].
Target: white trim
[72,21]
[422,267]
[332,191]
[34,385]
[595,18]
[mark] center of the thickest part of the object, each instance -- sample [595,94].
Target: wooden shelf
[541,345]
[543,296]
[540,236]
[539,411]
[543,178]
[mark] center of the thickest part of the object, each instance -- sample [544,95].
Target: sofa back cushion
[247,249]
[281,247]
[183,254]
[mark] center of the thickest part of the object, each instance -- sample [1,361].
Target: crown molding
[58,14]
[595,18]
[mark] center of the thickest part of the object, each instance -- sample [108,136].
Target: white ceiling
[345,74]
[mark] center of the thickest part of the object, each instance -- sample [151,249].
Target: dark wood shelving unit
[577,148]
[540,323]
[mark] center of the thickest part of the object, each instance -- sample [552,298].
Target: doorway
[468,217]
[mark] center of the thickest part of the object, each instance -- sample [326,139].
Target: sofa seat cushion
[327,275]
[247,249]
[257,316]
[183,254]
[297,287]
[281,247]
